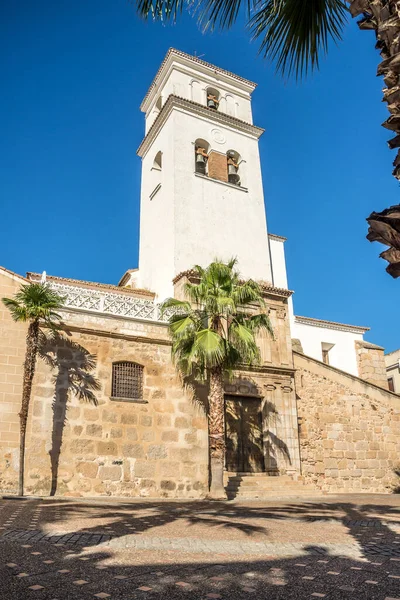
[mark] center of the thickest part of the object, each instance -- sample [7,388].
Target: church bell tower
[201,193]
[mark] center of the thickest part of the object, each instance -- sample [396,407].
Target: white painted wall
[392,361]
[342,355]
[192,219]
[191,83]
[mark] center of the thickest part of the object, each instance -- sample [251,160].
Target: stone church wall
[12,352]
[104,447]
[371,363]
[349,430]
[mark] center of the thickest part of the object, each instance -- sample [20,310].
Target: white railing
[110,303]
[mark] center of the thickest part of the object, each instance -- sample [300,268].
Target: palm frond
[18,311]
[222,13]
[179,305]
[260,322]
[161,10]
[294,33]
[35,301]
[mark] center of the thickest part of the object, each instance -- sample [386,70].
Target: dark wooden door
[244,442]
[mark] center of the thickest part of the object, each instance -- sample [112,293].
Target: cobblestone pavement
[332,547]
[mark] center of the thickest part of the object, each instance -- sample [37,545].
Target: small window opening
[157,164]
[326,348]
[233,160]
[213,97]
[127,380]
[391,384]
[201,156]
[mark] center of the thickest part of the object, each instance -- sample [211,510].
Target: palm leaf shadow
[75,367]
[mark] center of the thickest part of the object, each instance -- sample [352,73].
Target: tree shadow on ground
[75,367]
[126,572]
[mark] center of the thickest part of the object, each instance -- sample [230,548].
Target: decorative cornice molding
[330,324]
[267,289]
[278,238]
[196,109]
[197,61]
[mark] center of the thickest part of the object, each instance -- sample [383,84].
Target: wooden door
[244,443]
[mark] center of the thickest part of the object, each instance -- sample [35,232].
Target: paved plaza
[329,547]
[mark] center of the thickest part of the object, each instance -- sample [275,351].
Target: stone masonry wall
[349,430]
[12,352]
[158,448]
[371,363]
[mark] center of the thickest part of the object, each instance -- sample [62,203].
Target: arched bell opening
[202,148]
[233,160]
[213,98]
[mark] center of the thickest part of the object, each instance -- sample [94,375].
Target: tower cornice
[178,56]
[198,110]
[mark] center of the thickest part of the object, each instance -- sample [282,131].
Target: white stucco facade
[316,335]
[181,210]
[190,218]
[392,361]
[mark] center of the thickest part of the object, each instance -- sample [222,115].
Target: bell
[232,170]
[234,178]
[200,164]
[211,103]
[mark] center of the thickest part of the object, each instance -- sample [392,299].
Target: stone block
[168,484]
[94,430]
[108,448]
[116,432]
[156,452]
[163,421]
[170,436]
[182,423]
[73,412]
[148,435]
[91,414]
[111,473]
[170,469]
[133,450]
[109,416]
[81,446]
[132,434]
[88,469]
[144,468]
[129,418]
[146,420]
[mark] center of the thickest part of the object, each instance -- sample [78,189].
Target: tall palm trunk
[216,420]
[32,340]
[383,16]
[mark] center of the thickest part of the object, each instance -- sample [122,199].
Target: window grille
[127,380]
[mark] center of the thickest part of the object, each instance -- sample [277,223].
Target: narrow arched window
[213,97]
[201,150]
[157,164]
[233,160]
[127,380]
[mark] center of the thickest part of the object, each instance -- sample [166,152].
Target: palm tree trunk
[216,419]
[32,340]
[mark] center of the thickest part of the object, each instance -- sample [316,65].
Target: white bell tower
[201,194]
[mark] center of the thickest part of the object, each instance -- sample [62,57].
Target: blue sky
[73,75]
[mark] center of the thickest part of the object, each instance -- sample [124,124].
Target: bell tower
[201,193]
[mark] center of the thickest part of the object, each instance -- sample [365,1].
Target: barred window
[127,380]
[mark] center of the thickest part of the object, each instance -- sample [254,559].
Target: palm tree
[294,33]
[35,304]
[213,332]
